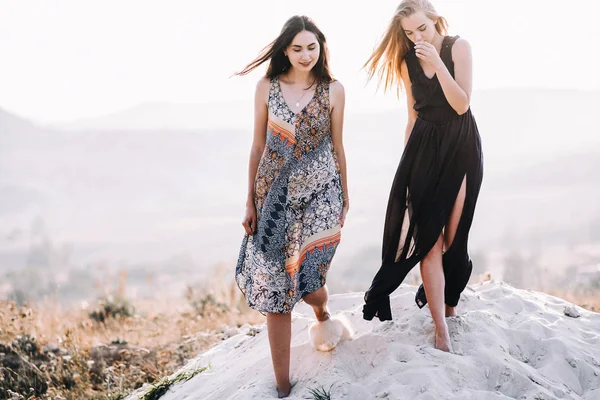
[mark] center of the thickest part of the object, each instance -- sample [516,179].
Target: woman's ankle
[322,314]
[450,311]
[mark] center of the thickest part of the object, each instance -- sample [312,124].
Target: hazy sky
[69,59]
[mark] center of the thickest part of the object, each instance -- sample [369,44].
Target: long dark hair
[279,63]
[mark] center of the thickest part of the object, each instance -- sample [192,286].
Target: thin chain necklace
[305,91]
[301,97]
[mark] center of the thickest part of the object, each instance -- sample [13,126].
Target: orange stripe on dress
[320,244]
[283,133]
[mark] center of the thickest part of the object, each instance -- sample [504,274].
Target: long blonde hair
[386,59]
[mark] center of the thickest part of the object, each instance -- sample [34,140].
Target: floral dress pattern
[298,197]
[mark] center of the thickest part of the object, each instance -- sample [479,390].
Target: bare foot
[442,341]
[284,392]
[450,311]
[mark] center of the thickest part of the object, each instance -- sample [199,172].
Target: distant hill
[11,122]
[519,127]
[525,122]
[138,185]
[167,116]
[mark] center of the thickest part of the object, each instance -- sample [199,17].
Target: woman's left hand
[345,209]
[428,53]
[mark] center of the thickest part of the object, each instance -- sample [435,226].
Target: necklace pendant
[297,104]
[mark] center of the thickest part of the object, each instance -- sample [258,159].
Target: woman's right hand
[249,222]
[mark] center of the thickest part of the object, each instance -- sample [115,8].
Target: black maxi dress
[443,149]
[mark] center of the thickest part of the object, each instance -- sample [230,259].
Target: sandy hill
[509,344]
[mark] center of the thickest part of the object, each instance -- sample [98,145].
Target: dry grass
[586,300]
[159,338]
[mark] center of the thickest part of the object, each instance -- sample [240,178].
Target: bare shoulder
[336,95]
[461,49]
[336,89]
[263,84]
[263,87]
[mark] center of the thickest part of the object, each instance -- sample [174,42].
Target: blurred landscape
[124,145]
[84,201]
[119,235]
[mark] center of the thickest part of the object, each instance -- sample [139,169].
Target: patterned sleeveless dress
[298,197]
[443,149]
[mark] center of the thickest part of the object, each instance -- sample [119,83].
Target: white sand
[508,343]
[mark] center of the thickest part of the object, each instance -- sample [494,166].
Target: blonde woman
[434,192]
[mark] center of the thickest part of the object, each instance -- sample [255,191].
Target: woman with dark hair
[297,190]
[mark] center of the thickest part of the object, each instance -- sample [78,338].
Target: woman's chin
[304,68]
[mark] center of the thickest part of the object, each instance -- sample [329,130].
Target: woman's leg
[452,227]
[432,273]
[279,328]
[318,301]
[327,332]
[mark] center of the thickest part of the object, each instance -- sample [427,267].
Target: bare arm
[410,102]
[261,115]
[458,89]
[260,133]
[337,103]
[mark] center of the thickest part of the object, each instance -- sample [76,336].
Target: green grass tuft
[320,393]
[159,389]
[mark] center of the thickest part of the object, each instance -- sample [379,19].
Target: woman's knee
[317,297]
[434,256]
